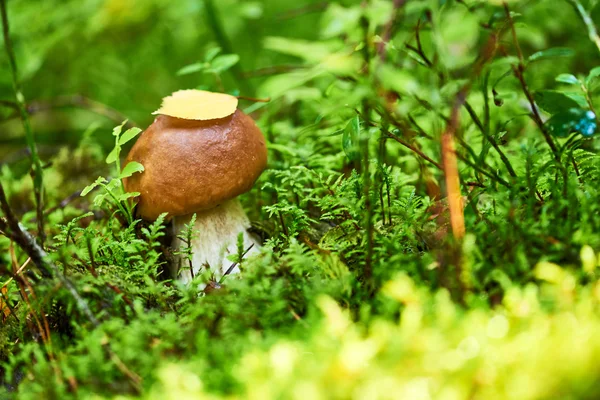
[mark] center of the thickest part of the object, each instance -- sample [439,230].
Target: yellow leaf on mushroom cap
[198,105]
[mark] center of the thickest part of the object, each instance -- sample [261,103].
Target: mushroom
[199,154]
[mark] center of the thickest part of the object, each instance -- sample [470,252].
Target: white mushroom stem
[215,236]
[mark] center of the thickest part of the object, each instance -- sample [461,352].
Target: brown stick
[451,176]
[257,100]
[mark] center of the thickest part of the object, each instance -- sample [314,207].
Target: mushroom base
[215,237]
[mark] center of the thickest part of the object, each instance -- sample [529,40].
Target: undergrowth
[429,216]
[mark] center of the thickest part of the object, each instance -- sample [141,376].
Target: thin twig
[431,108]
[419,49]
[76,101]
[492,175]
[39,317]
[589,100]
[64,202]
[414,149]
[283,226]
[18,272]
[490,139]
[257,100]
[232,266]
[518,70]
[272,70]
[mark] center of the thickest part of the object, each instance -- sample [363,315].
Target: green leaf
[553,101]
[91,187]
[504,61]
[554,52]
[310,51]
[224,62]
[568,78]
[338,20]
[577,98]
[112,156]
[131,168]
[112,185]
[128,135]
[279,85]
[457,40]
[192,68]
[572,120]
[211,53]
[98,200]
[128,195]
[350,139]
[498,16]
[88,189]
[594,73]
[283,149]
[398,80]
[117,129]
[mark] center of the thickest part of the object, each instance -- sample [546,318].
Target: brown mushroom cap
[195,165]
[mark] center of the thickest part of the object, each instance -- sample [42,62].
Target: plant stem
[518,71]
[451,175]
[589,101]
[414,149]
[364,144]
[492,175]
[490,139]
[124,210]
[486,102]
[588,21]
[38,179]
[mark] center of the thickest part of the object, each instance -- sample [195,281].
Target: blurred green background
[124,56]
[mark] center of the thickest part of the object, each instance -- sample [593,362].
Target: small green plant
[214,64]
[186,237]
[114,190]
